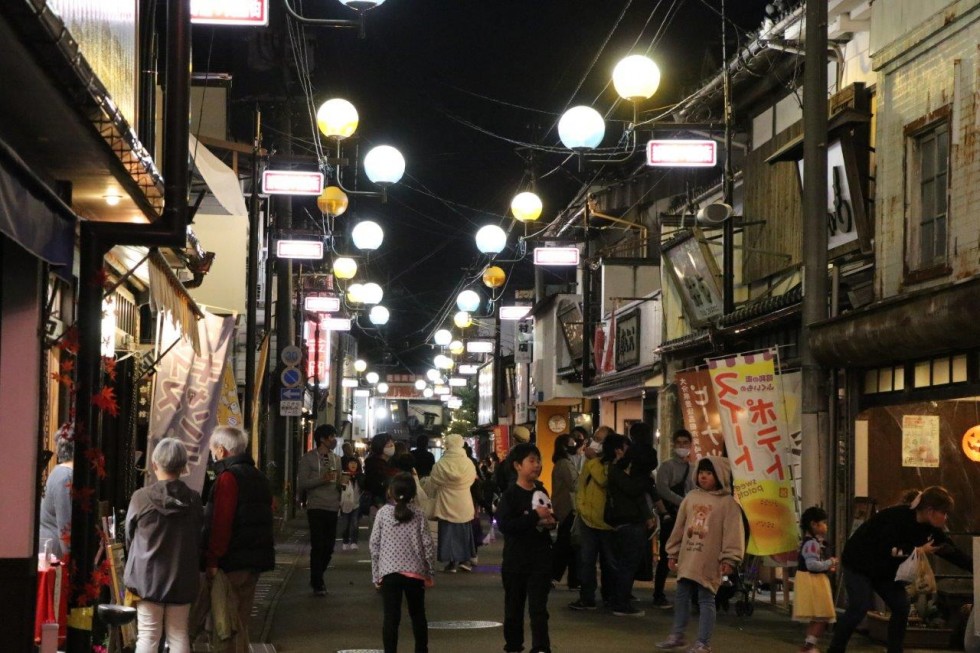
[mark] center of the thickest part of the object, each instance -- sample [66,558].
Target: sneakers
[345,547]
[675,640]
[628,611]
[450,568]
[319,591]
[353,546]
[466,566]
[662,603]
[699,647]
[582,605]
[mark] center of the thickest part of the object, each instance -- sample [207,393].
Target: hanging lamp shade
[442,337]
[344,267]
[491,239]
[372,377]
[372,294]
[494,277]
[526,206]
[332,201]
[462,319]
[379,315]
[336,118]
[384,165]
[360,366]
[636,78]
[468,300]
[367,235]
[355,293]
[581,128]
[456,347]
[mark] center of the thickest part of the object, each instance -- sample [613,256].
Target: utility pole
[252,309]
[816,429]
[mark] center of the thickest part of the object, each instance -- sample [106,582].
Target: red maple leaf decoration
[96,459]
[109,365]
[105,400]
[89,593]
[63,379]
[69,340]
[65,538]
[67,365]
[101,278]
[83,497]
[101,576]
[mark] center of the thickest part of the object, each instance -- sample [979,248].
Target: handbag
[908,571]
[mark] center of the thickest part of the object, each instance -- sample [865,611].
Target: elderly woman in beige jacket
[448,488]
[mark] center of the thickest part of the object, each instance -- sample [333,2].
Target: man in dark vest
[238,524]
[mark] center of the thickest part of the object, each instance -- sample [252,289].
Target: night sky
[465,89]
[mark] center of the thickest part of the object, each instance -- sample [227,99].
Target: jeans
[564,554]
[596,544]
[532,589]
[323,535]
[660,574]
[630,543]
[155,619]
[392,587]
[349,525]
[686,588]
[859,600]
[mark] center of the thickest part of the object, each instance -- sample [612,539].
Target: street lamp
[456,347]
[420,385]
[442,337]
[384,165]
[344,268]
[636,78]
[382,388]
[526,206]
[372,377]
[462,319]
[332,201]
[371,293]
[367,235]
[337,118]
[433,374]
[360,366]
[355,293]
[491,239]
[362,5]
[581,128]
[427,393]
[494,277]
[468,300]
[379,315]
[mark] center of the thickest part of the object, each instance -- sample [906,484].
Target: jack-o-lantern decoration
[971,444]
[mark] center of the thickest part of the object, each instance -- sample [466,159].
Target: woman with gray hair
[55,521]
[163,533]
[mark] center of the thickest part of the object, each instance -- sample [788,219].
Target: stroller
[745,586]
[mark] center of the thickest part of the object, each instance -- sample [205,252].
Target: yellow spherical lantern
[462,319]
[344,267]
[456,347]
[494,277]
[336,118]
[332,201]
[526,206]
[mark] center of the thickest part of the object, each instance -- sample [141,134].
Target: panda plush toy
[540,499]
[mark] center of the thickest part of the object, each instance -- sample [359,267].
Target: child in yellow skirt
[813,602]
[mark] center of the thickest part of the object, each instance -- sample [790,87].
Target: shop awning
[169,295]
[625,384]
[32,215]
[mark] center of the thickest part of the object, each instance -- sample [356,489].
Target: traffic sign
[291,377]
[290,394]
[291,355]
[291,401]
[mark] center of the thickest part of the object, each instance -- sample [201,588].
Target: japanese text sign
[700,413]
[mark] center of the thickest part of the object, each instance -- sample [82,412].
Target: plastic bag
[349,501]
[908,571]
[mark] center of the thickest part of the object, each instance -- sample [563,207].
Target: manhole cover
[462,625]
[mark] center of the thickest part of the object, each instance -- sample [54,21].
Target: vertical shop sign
[920,441]
[700,413]
[525,340]
[756,435]
[187,390]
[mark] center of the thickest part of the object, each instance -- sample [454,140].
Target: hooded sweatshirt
[163,534]
[449,484]
[708,531]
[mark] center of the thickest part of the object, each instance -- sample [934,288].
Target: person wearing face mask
[672,477]
[320,475]
[580,435]
[378,469]
[594,447]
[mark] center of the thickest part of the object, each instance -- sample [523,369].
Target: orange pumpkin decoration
[971,444]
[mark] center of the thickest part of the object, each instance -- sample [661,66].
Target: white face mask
[389,451]
[682,453]
[596,446]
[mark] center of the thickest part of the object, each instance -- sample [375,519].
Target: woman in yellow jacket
[596,536]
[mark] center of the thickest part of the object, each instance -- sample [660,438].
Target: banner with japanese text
[700,413]
[757,438]
[187,390]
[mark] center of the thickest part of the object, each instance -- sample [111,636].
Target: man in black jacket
[873,554]
[424,460]
[238,536]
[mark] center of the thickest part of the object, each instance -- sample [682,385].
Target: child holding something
[402,561]
[813,602]
[707,542]
[525,517]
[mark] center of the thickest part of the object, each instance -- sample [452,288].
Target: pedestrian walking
[564,476]
[449,489]
[525,518]
[813,601]
[163,537]
[873,554]
[238,537]
[402,562]
[320,477]
[672,476]
[707,543]
[350,502]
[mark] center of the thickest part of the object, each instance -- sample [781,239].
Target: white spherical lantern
[359,366]
[427,393]
[636,78]
[355,293]
[491,239]
[380,412]
[384,165]
[442,337]
[372,377]
[420,385]
[362,5]
[468,300]
[526,206]
[444,362]
[367,235]
[344,267]
[433,374]
[382,388]
[372,294]
[379,315]
[581,128]
[336,118]
[456,347]
[462,319]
